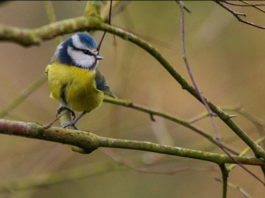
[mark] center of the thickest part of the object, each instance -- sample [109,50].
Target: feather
[102,84]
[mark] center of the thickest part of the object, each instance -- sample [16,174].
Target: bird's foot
[61,108]
[71,123]
[74,121]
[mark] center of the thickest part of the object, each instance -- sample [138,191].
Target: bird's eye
[87,52]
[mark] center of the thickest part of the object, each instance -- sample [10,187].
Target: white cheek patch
[81,59]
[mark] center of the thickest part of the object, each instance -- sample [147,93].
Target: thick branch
[28,37]
[89,142]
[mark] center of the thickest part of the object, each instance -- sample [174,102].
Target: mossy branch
[89,142]
[225,174]
[125,103]
[172,118]
[27,37]
[51,15]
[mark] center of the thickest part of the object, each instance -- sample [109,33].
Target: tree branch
[172,118]
[28,37]
[52,18]
[225,174]
[89,142]
[238,15]
[241,190]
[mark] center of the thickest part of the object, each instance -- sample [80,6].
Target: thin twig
[258,124]
[149,169]
[238,109]
[172,118]
[240,189]
[190,73]
[199,117]
[109,22]
[237,15]
[243,5]
[256,7]
[217,137]
[245,151]
[24,94]
[52,18]
[184,6]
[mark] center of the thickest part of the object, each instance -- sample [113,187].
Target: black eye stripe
[87,52]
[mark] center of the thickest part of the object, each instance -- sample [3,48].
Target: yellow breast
[74,87]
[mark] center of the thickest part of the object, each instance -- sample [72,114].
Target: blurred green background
[227,60]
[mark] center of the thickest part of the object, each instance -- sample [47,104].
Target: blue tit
[73,77]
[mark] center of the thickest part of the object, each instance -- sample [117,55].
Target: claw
[61,108]
[71,123]
[74,121]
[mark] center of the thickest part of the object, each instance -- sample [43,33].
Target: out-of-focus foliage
[228,62]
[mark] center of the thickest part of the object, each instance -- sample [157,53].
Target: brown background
[227,59]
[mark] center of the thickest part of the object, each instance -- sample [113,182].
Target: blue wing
[102,84]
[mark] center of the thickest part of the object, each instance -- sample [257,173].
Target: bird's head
[79,50]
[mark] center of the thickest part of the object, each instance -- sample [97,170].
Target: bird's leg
[61,108]
[74,121]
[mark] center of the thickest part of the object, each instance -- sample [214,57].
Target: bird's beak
[99,57]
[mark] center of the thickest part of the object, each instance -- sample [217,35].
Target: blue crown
[84,38]
[87,40]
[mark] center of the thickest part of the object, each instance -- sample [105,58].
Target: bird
[74,79]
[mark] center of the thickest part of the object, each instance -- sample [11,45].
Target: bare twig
[24,94]
[237,15]
[245,151]
[199,117]
[172,118]
[240,189]
[184,6]
[217,137]
[119,7]
[254,6]
[244,5]
[52,18]
[239,109]
[150,169]
[109,22]
[190,72]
